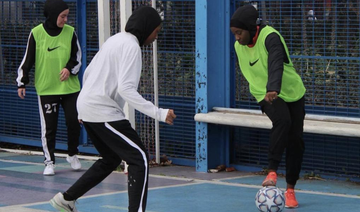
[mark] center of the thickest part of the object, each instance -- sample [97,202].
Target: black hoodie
[143,22]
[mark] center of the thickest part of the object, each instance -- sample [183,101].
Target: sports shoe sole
[291,206]
[58,207]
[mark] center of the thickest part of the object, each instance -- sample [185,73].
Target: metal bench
[319,124]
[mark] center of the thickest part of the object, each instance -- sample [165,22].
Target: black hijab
[52,10]
[142,22]
[245,18]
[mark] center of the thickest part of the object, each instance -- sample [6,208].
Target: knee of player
[284,122]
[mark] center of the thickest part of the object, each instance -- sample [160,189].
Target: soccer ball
[270,199]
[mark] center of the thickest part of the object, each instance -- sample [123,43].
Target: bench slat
[308,116]
[261,121]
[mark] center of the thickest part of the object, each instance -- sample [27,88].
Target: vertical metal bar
[212,79]
[1,62]
[103,20]
[201,100]
[125,12]
[229,91]
[81,32]
[156,95]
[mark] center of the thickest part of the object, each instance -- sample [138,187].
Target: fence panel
[324,48]
[19,119]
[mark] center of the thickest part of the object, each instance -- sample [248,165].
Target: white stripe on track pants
[116,141]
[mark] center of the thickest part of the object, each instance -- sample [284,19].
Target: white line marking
[190,181]
[27,152]
[120,208]
[32,163]
[194,182]
[19,209]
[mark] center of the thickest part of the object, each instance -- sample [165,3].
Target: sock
[67,197]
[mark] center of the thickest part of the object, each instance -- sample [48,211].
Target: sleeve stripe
[20,70]
[76,69]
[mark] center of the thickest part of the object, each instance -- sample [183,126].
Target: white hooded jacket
[111,79]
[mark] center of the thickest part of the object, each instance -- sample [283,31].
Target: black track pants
[116,141]
[287,132]
[49,115]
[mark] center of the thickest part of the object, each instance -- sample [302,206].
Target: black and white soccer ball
[270,199]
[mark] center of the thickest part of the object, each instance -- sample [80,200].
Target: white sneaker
[61,204]
[74,161]
[49,170]
[126,171]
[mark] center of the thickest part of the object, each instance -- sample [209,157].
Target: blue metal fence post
[212,80]
[81,22]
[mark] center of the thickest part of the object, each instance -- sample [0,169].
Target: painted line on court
[97,195]
[19,209]
[191,182]
[120,208]
[31,163]
[238,177]
[218,182]
[28,152]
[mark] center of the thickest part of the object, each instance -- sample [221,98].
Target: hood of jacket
[142,22]
[246,17]
[52,10]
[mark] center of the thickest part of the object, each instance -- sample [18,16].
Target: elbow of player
[123,89]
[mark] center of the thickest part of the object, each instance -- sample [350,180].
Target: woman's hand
[21,93]
[64,74]
[271,96]
[170,117]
